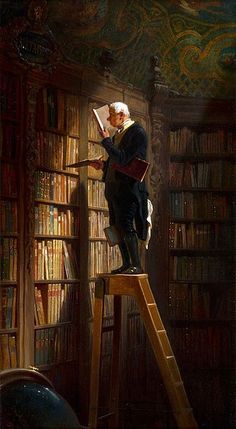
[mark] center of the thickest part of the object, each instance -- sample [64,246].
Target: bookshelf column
[157,260]
[32,91]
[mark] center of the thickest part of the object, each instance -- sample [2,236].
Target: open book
[101,114]
[137,168]
[84,162]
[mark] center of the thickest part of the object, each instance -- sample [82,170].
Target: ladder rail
[138,287]
[164,354]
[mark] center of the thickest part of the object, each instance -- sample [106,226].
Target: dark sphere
[29,405]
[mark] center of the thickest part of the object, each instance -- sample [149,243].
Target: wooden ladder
[138,287]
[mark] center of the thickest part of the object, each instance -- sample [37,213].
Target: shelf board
[59,237]
[200,323]
[8,331]
[202,220]
[99,209]
[202,156]
[56,281]
[9,234]
[194,189]
[199,251]
[202,282]
[8,283]
[55,203]
[55,170]
[52,325]
[8,197]
[97,239]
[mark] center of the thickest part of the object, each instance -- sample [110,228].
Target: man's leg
[125,220]
[125,258]
[131,241]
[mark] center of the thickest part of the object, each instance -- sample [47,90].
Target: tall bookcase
[56,270]
[197,217]
[52,218]
[10,219]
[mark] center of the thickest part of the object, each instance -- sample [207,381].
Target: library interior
[82,344]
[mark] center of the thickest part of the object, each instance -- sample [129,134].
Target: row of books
[97,221]
[135,331]
[201,347]
[50,150]
[189,301]
[9,88]
[7,307]
[55,259]
[202,235]
[201,205]
[55,303]
[8,260]
[55,151]
[8,351]
[95,150]
[184,140]
[9,141]
[201,268]
[213,174]
[102,257]
[8,183]
[51,220]
[108,304]
[72,153]
[8,216]
[73,114]
[211,385]
[59,110]
[60,188]
[96,196]
[56,344]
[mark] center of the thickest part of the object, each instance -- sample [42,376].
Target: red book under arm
[137,168]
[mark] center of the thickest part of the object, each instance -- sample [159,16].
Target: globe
[30,404]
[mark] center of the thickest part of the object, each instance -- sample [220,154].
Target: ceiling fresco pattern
[194,40]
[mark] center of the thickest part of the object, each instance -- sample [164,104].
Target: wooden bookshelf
[10,218]
[197,229]
[56,231]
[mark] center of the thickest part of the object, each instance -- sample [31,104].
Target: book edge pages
[98,120]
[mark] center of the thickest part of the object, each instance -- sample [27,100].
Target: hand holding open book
[101,115]
[94,162]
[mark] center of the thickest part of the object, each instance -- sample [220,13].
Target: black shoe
[120,269]
[133,270]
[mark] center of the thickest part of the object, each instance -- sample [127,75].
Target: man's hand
[98,164]
[105,133]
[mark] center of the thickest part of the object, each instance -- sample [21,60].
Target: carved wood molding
[158,139]
[31,156]
[30,40]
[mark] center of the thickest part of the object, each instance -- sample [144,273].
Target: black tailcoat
[133,144]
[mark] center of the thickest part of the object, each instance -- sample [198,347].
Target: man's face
[116,119]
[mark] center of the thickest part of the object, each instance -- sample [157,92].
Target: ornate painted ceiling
[194,40]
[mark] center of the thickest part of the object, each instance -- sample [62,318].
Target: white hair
[118,107]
